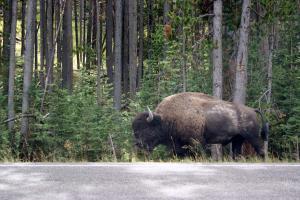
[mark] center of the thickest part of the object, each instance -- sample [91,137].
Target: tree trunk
[42,41]
[23,27]
[67,48]
[166,19]
[242,56]
[184,59]
[84,35]
[141,42]
[109,37]
[81,13]
[216,149]
[76,34]
[12,67]
[36,53]
[58,36]
[125,52]
[28,64]
[6,42]
[150,27]
[118,55]
[270,63]
[89,35]
[99,51]
[49,60]
[132,9]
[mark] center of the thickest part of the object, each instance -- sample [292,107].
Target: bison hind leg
[237,143]
[256,143]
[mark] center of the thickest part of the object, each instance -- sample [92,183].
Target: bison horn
[150,117]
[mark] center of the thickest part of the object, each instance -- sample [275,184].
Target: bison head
[147,130]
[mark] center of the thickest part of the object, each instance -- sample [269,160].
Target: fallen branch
[21,116]
[18,117]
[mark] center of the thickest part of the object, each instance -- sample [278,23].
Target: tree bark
[132,6]
[270,63]
[12,67]
[49,59]
[58,36]
[216,149]
[184,59]
[99,51]
[67,48]
[36,53]
[141,42]
[125,59]
[109,38]
[166,18]
[76,34]
[150,27]
[118,55]
[242,56]
[89,35]
[23,27]
[6,42]
[42,41]
[81,13]
[28,64]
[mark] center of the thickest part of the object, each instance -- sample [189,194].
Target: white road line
[247,165]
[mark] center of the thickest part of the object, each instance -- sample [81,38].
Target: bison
[190,118]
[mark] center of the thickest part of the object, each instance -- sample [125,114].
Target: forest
[74,73]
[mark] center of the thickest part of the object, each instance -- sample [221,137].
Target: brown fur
[190,117]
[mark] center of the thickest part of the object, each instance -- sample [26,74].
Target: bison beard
[188,119]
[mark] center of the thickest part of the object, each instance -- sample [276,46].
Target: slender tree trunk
[12,67]
[76,34]
[125,52]
[132,6]
[217,50]
[118,55]
[28,64]
[42,41]
[270,63]
[109,37]
[36,53]
[67,48]
[141,41]
[150,27]
[49,60]
[217,66]
[99,51]
[94,31]
[166,19]
[6,42]
[184,59]
[84,35]
[23,26]
[242,56]
[81,16]
[58,36]
[89,35]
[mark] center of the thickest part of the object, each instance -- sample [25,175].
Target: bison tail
[265,126]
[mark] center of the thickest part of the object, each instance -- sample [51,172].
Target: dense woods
[73,73]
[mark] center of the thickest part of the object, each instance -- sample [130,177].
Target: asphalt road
[149,181]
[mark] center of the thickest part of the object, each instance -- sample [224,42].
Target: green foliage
[74,127]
